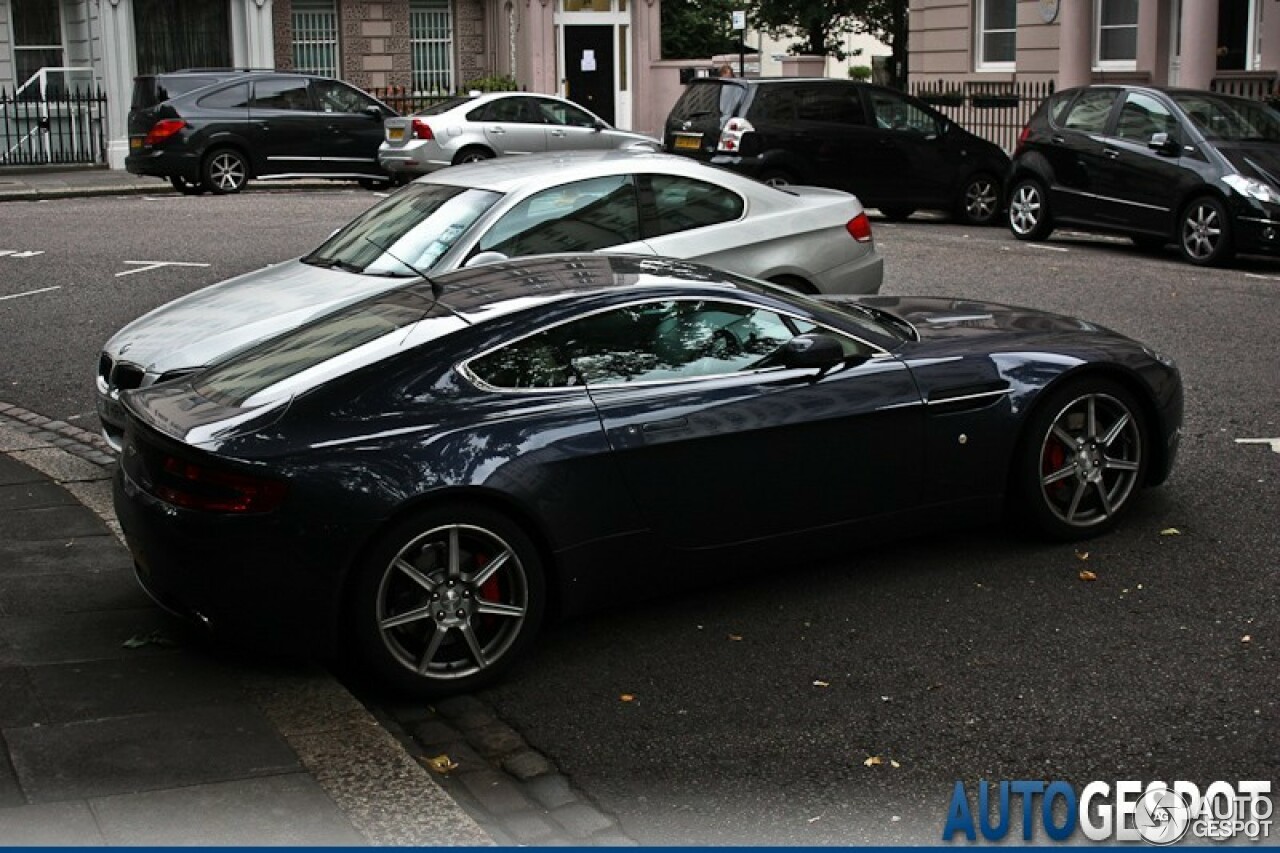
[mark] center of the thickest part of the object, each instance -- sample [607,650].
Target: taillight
[200,487]
[859,228]
[731,136]
[422,130]
[1023,134]
[164,129]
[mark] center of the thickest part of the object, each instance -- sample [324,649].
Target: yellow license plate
[395,134]
[135,142]
[689,142]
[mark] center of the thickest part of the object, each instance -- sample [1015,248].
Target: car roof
[507,174]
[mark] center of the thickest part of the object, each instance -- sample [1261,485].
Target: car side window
[582,216]
[1142,116]
[897,113]
[651,342]
[335,97]
[281,94]
[1088,113]
[831,105]
[557,112]
[230,98]
[773,103]
[681,203]
[510,111]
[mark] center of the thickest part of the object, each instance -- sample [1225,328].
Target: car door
[718,449]
[1075,153]
[282,121]
[512,126]
[350,123]
[910,153]
[833,138]
[570,128]
[1138,181]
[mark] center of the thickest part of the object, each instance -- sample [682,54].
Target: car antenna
[436,290]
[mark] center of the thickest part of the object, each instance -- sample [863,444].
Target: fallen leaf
[1171,531]
[821,683]
[873,761]
[815,819]
[154,638]
[895,765]
[627,697]
[735,637]
[441,764]
[1087,575]
[1082,555]
[1246,639]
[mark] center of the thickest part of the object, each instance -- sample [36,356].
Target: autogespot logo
[1126,811]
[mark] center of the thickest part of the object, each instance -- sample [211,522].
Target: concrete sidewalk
[37,184]
[116,726]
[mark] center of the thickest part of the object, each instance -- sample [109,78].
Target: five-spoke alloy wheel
[225,171]
[1029,211]
[449,599]
[1204,232]
[1083,459]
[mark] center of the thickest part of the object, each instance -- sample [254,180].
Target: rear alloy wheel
[897,214]
[472,155]
[776,178]
[448,601]
[184,186]
[1083,459]
[980,201]
[1204,233]
[1029,216]
[225,171]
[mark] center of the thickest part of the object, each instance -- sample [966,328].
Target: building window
[431,41]
[315,37]
[997,34]
[173,34]
[1117,42]
[37,41]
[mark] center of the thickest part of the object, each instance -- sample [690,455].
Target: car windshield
[405,234]
[1230,119]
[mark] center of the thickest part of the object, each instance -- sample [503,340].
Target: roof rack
[209,70]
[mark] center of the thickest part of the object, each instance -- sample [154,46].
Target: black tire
[1148,243]
[225,171]
[445,558]
[777,178]
[897,214]
[1204,233]
[1081,460]
[473,154]
[184,186]
[1029,214]
[979,201]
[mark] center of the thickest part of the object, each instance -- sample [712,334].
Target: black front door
[588,57]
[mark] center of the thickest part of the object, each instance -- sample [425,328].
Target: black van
[891,150]
[214,129]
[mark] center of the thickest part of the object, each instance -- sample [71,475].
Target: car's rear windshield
[156,89]
[1230,119]
[443,107]
[406,233]
[715,98]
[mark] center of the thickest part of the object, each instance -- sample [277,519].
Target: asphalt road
[756,707]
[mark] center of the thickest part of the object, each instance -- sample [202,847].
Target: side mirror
[812,351]
[374,113]
[1161,143]
[600,124]
[484,258]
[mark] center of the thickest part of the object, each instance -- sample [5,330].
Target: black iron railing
[994,111]
[66,127]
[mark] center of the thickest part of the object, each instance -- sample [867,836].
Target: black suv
[1158,165]
[214,129]
[891,150]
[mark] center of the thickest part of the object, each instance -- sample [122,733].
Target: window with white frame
[315,37]
[1117,34]
[37,38]
[431,42]
[997,32]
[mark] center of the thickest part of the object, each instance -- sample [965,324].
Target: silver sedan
[464,130]
[806,238]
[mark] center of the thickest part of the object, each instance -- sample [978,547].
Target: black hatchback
[1160,166]
[214,129]
[891,150]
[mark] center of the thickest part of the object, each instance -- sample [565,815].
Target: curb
[162,188]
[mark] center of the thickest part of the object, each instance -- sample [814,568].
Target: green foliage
[860,72]
[698,29]
[819,27]
[491,84]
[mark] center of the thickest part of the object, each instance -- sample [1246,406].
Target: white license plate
[688,142]
[395,134]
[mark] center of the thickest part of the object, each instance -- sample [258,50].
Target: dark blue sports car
[426,475]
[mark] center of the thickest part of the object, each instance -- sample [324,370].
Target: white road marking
[144,266]
[31,292]
[27,254]
[1263,277]
[1274,442]
[1047,248]
[4,252]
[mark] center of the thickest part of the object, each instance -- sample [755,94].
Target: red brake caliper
[1055,456]
[490,590]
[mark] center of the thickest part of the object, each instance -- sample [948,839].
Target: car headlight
[1253,188]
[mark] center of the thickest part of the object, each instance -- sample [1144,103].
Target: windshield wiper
[332,263]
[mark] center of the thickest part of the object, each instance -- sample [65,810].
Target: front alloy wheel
[450,602]
[1085,459]
[980,203]
[1029,211]
[1205,234]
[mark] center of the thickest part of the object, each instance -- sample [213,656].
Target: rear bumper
[858,277]
[413,159]
[164,164]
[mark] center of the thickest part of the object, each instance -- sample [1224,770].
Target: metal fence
[406,102]
[315,37]
[65,127]
[431,41]
[994,111]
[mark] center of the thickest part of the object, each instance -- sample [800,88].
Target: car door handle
[497,131]
[666,425]
[1058,139]
[558,133]
[1111,152]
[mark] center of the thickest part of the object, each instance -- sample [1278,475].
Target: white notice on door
[588,60]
